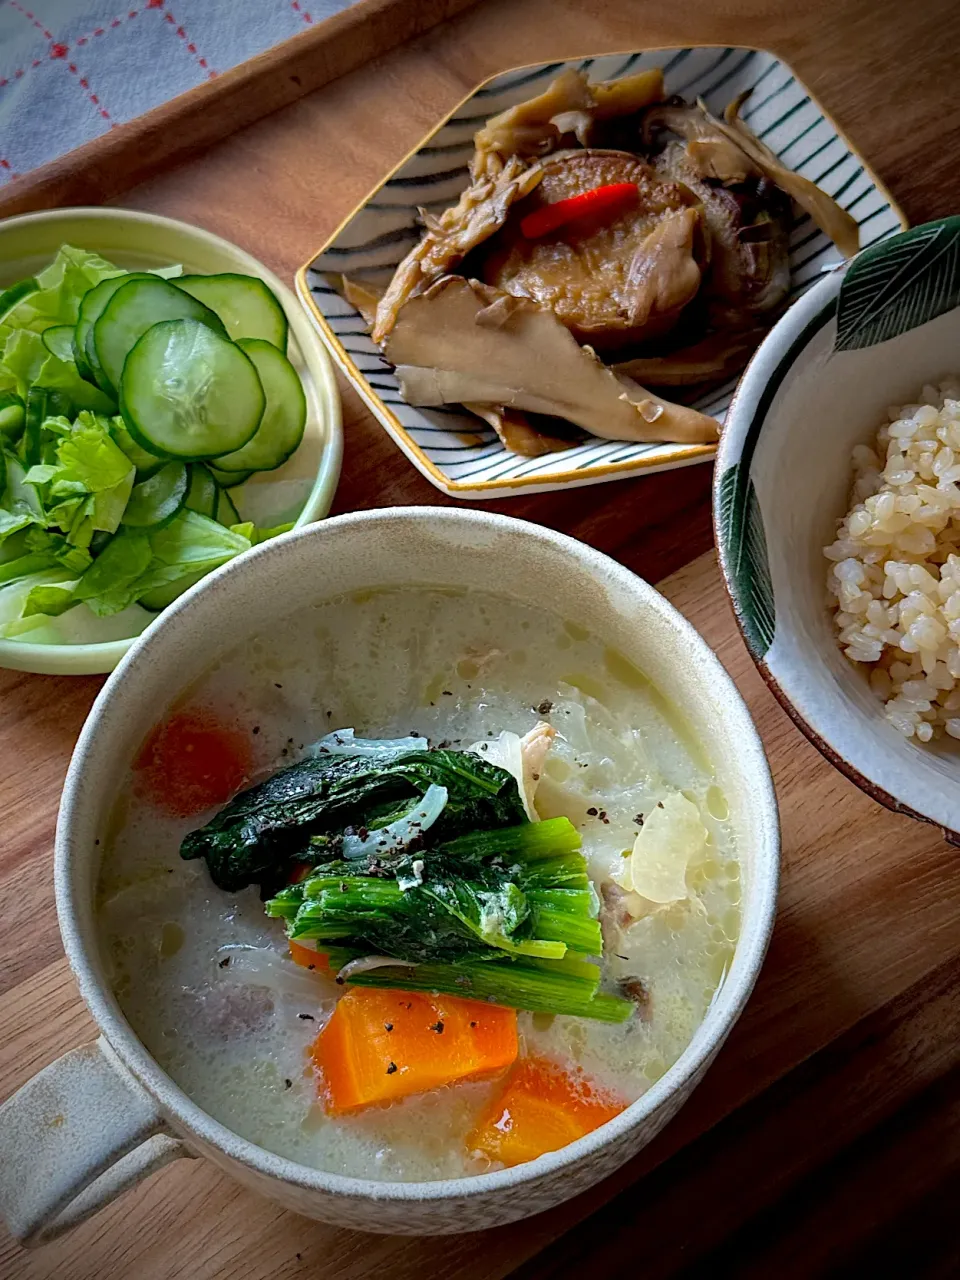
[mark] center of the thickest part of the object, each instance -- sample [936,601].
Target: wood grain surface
[829,1121]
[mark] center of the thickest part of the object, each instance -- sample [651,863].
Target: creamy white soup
[206,977]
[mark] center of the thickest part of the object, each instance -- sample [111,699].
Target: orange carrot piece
[542,1108]
[310,959]
[191,762]
[381,1045]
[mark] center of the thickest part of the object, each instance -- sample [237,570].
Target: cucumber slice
[203,494]
[284,419]
[227,512]
[11,418]
[229,479]
[58,339]
[136,307]
[92,306]
[244,303]
[187,392]
[155,501]
[147,463]
[15,293]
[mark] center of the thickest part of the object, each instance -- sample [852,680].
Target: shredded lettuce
[68,464]
[27,363]
[60,287]
[88,486]
[189,544]
[111,583]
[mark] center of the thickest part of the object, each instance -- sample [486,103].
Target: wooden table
[827,1135]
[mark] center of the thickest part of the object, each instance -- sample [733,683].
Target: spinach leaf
[262,832]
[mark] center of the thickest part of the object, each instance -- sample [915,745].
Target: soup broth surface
[204,976]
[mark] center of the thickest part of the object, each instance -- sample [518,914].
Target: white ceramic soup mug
[105,1116]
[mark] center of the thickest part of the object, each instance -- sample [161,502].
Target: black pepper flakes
[659,804]
[447,693]
[307,1017]
[276,685]
[436,1026]
[544,708]
[388,1026]
[329,715]
[592,812]
[288,1084]
[638,819]
[391,1068]
[224,962]
[473,1024]
[256,729]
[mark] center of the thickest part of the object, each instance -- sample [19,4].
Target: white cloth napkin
[72,69]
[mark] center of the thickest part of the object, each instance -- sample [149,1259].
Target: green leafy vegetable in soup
[425,857]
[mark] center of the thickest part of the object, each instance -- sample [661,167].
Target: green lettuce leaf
[248,529]
[51,599]
[60,287]
[14,595]
[19,505]
[28,363]
[189,544]
[89,485]
[111,582]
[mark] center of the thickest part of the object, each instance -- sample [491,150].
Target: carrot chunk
[380,1045]
[542,1108]
[191,762]
[308,958]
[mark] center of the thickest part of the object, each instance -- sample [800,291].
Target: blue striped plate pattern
[454,449]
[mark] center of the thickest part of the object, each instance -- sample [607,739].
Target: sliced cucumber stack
[188,393]
[92,305]
[145,462]
[229,479]
[244,304]
[284,418]
[227,512]
[203,495]
[136,307]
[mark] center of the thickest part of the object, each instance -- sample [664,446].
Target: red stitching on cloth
[295,5]
[181,33]
[85,85]
[27,14]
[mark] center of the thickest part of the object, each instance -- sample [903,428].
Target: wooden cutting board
[857,1006]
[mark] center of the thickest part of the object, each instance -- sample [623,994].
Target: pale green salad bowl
[300,491]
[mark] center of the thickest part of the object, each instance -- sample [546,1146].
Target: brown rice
[895,572]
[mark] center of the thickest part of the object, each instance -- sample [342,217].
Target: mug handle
[74,1137]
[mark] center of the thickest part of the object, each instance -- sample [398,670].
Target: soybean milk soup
[456,667]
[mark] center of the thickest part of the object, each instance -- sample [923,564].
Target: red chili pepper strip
[612,198]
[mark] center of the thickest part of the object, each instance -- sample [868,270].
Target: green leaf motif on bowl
[899,284]
[744,549]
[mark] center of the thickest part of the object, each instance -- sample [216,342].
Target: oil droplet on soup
[455,667]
